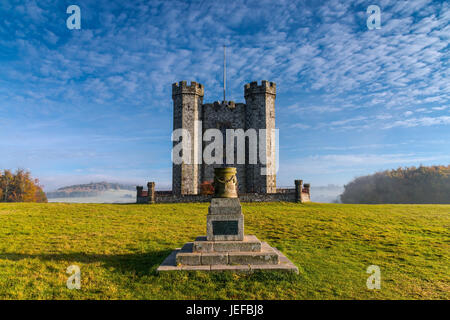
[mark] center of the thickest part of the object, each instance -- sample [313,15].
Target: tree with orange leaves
[20,187]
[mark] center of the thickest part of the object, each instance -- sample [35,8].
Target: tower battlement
[183,88]
[228,104]
[265,87]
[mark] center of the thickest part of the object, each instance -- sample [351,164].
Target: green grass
[119,247]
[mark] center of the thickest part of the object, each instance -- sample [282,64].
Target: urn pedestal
[225,220]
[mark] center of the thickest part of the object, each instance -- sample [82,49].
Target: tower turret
[260,114]
[187,105]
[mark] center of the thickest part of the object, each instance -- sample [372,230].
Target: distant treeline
[403,185]
[20,187]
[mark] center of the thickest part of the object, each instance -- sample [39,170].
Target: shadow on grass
[145,264]
[141,264]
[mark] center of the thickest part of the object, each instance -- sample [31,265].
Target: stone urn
[225,183]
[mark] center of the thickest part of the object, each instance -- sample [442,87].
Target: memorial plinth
[225,220]
[225,247]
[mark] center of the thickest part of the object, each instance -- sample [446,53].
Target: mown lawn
[119,247]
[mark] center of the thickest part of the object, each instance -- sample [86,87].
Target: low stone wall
[169,198]
[141,199]
[285,190]
[166,197]
[299,194]
[268,197]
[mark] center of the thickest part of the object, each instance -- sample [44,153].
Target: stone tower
[187,108]
[260,114]
[257,113]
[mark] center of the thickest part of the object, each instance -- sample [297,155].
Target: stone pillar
[307,186]
[151,192]
[298,190]
[306,197]
[138,193]
[225,220]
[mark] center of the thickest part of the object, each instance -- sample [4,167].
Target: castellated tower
[260,114]
[257,113]
[187,108]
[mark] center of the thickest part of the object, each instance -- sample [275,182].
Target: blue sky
[95,104]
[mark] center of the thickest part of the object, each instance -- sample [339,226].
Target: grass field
[119,247]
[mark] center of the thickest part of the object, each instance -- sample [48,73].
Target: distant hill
[88,190]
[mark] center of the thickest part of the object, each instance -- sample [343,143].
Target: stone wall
[142,200]
[286,194]
[170,198]
[223,116]
[267,197]
[243,197]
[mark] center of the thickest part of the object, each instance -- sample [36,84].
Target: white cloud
[415,122]
[440,108]
[297,107]
[300,126]
[346,121]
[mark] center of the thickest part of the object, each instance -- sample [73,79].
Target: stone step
[249,244]
[267,256]
[169,264]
